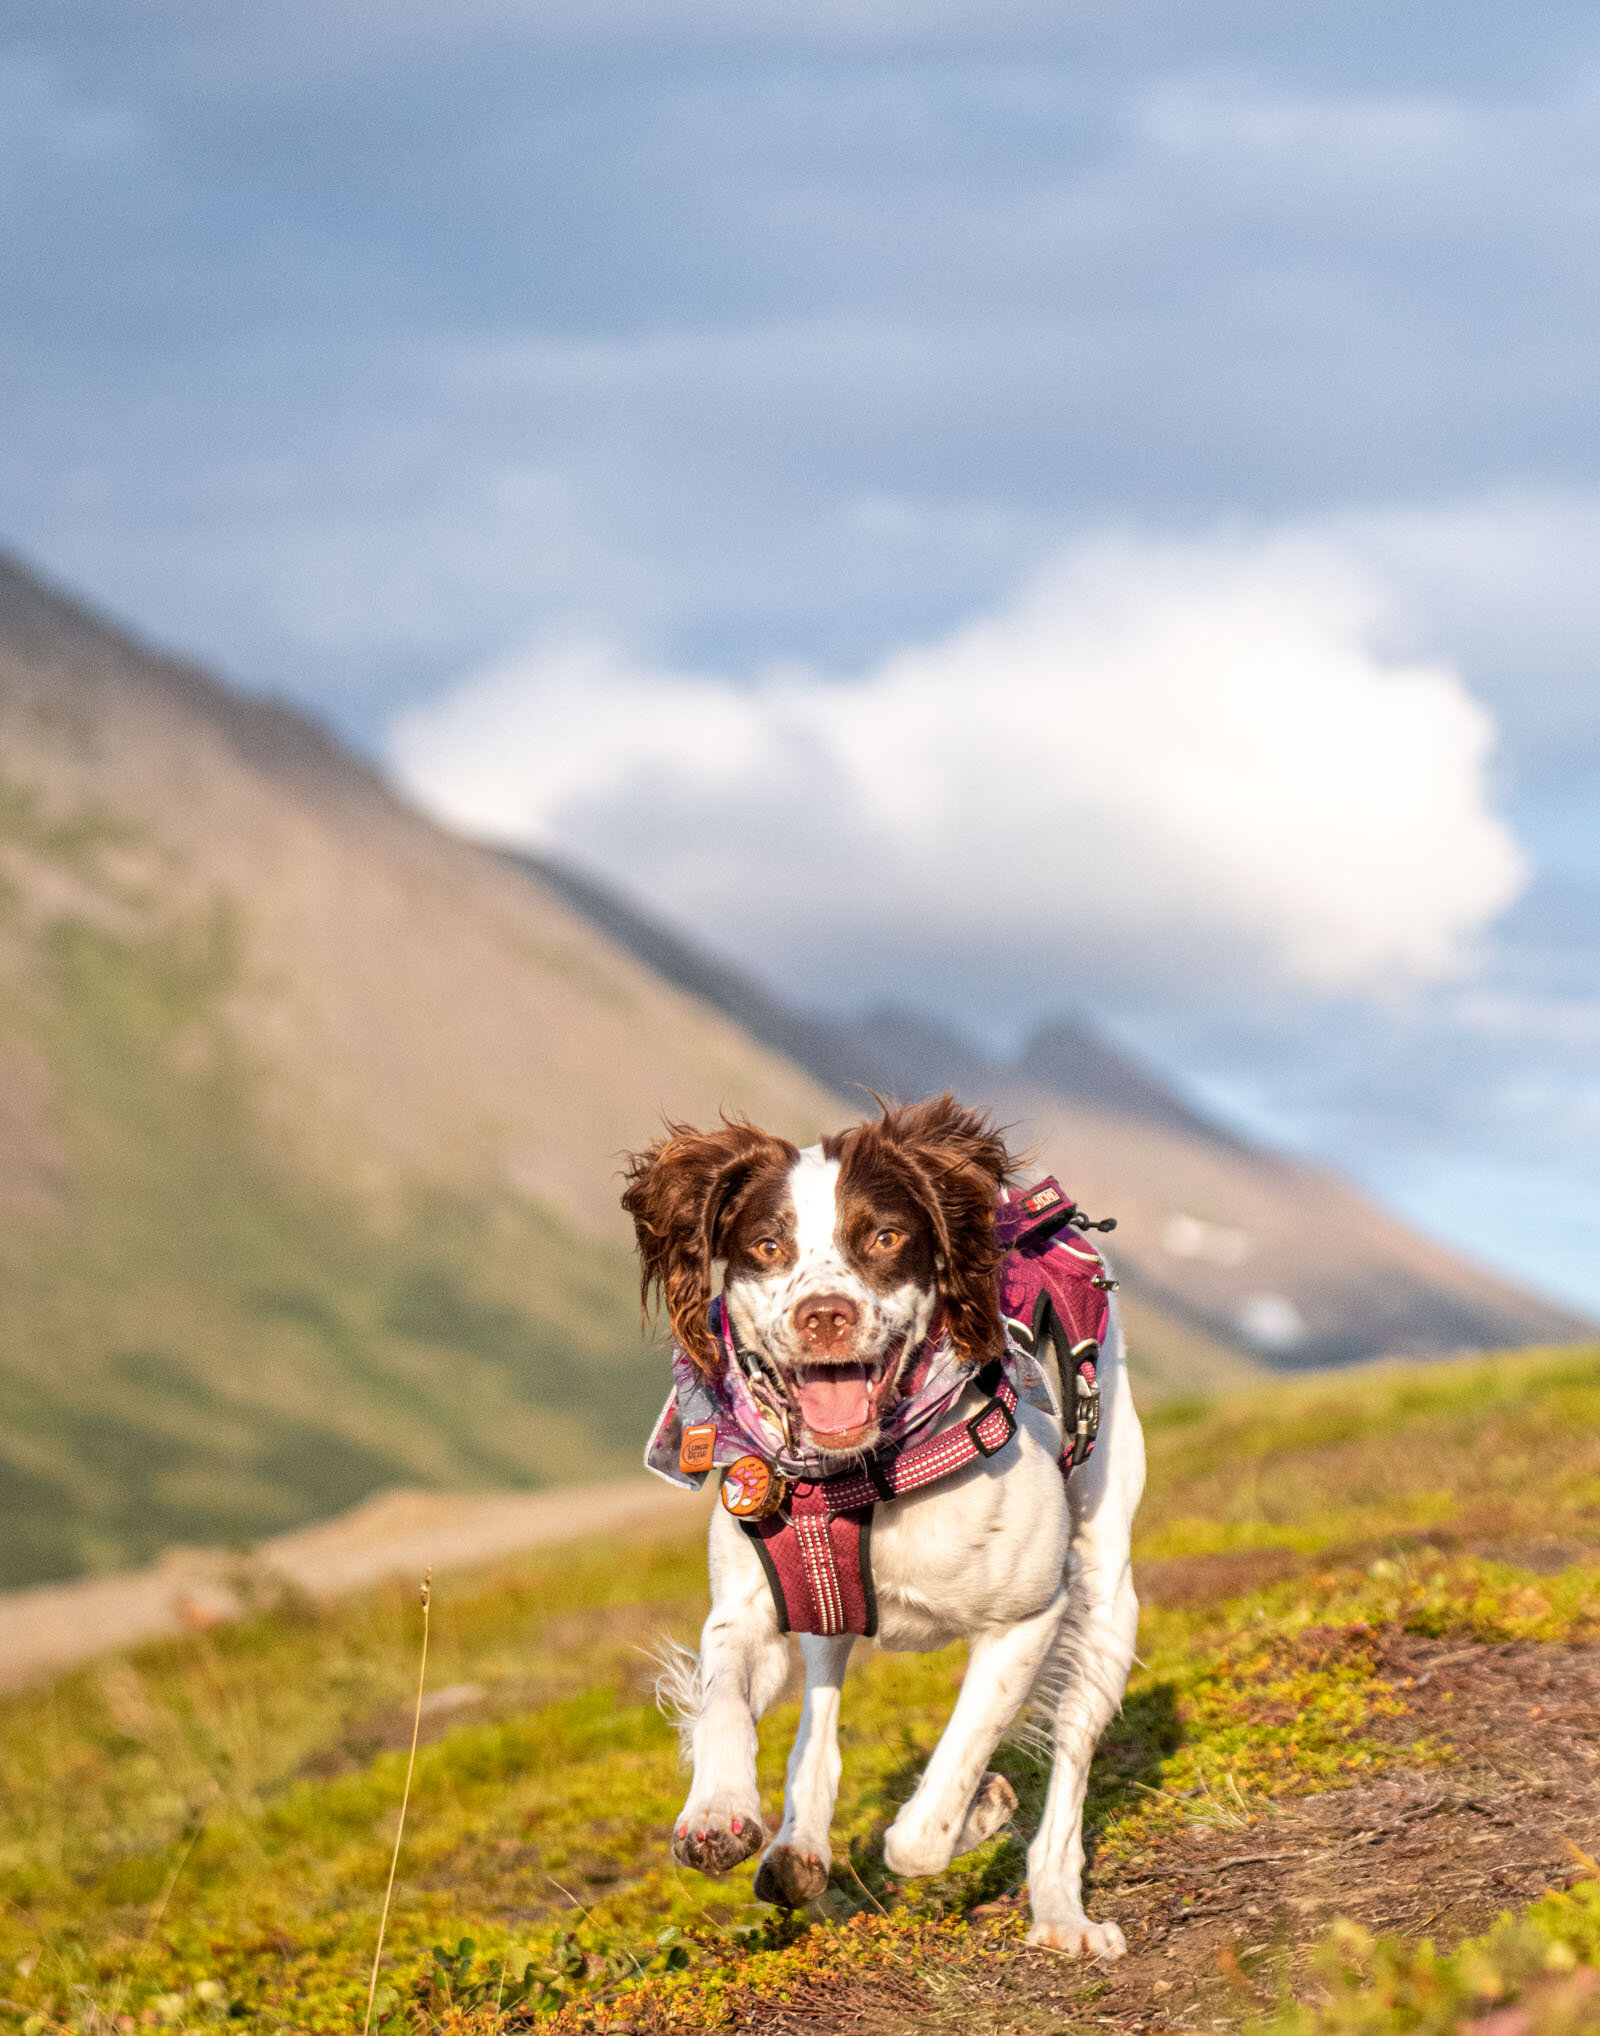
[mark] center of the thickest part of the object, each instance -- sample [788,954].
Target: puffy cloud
[1175,766]
[1508,577]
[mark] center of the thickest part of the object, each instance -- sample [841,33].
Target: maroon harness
[816,1549]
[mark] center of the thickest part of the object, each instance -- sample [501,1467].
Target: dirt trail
[398,1533]
[1217,1916]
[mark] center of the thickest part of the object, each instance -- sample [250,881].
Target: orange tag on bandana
[697,1447]
[750,1491]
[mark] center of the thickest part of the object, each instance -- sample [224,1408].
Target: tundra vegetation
[1355,1785]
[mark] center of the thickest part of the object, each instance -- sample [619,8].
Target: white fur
[678,1692]
[813,1189]
[1036,1576]
[764,1310]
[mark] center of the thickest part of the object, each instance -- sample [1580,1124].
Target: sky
[1008,508]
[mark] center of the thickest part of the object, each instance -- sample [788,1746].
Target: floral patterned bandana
[752,1417]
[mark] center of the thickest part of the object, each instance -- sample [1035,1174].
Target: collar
[751,1416]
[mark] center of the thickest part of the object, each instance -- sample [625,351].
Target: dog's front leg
[795,1868]
[955,1806]
[743,1661]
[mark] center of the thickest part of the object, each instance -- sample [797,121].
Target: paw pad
[791,1878]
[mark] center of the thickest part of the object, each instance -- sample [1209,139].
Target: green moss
[1544,1961]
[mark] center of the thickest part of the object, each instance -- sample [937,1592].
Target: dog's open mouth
[841,1404]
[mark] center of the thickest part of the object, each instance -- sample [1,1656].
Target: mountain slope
[310,1117]
[309,1123]
[1240,1248]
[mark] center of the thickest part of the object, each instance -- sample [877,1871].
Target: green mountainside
[309,1118]
[202,1343]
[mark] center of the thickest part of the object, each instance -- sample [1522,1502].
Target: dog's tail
[679,1691]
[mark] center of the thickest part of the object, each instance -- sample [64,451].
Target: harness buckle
[982,1415]
[1086,1407]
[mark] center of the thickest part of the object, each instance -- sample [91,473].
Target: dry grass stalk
[405,1798]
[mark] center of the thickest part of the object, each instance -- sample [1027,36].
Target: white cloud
[1182,764]
[1507,575]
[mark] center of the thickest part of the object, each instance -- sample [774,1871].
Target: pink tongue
[834,1401]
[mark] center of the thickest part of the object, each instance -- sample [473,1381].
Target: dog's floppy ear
[680,1192]
[960,1163]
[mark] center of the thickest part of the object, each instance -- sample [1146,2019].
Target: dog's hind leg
[743,1662]
[1086,1675]
[795,1868]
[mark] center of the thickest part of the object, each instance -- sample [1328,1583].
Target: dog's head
[837,1259]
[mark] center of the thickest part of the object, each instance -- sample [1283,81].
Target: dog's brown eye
[887,1239]
[767,1248]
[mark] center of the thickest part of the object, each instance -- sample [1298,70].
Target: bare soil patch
[1176,1582]
[1217,1916]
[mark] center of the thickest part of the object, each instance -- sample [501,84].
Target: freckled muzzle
[838,1389]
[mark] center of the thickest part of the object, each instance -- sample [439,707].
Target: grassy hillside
[201,1342]
[310,1118]
[1361,1729]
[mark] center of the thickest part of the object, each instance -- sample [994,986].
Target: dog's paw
[913,1853]
[715,1841]
[993,1807]
[791,1878]
[1081,1939]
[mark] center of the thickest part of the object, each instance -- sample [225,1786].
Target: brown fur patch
[687,1194]
[763,1209]
[942,1165]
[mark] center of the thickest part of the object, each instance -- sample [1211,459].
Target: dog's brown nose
[824,1322]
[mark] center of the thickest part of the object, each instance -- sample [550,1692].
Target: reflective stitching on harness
[925,1463]
[992,1428]
[816,1547]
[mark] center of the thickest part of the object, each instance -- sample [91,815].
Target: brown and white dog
[836,1262]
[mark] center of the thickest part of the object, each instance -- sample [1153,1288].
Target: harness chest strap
[818,1565]
[816,1549]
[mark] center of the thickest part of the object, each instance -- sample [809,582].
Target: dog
[848,1269]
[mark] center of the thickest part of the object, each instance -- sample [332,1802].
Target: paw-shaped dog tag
[751,1489]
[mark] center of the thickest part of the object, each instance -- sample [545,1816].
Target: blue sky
[1172,427]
